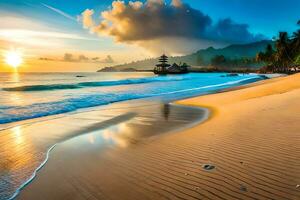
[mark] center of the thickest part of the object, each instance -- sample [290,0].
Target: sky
[85,35]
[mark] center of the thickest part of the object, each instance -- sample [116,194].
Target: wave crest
[94,84]
[18,113]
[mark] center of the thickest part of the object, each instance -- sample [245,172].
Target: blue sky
[263,16]
[57,19]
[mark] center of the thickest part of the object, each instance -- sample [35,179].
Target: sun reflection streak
[15,77]
[18,134]
[16,98]
[20,150]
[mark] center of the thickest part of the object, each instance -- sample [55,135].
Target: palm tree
[298,60]
[295,47]
[296,43]
[286,57]
[267,56]
[283,56]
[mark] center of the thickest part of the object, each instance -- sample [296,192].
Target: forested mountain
[202,57]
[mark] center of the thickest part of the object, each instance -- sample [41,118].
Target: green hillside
[200,58]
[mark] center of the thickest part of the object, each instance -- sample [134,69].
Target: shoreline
[73,106]
[30,122]
[236,126]
[201,119]
[213,109]
[115,114]
[186,102]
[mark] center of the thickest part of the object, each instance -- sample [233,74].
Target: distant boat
[164,68]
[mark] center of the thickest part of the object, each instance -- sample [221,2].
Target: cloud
[46,59]
[83,58]
[228,31]
[87,19]
[95,58]
[176,3]
[142,23]
[108,59]
[26,32]
[69,57]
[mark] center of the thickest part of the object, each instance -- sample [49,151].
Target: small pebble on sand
[208,167]
[243,188]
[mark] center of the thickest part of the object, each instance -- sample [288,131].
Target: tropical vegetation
[222,61]
[284,55]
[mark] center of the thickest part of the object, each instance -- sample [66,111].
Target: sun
[13,58]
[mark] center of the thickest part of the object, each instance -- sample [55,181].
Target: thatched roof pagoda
[164,68]
[163,64]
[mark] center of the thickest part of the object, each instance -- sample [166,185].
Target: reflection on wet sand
[113,126]
[118,135]
[148,121]
[17,160]
[17,147]
[166,110]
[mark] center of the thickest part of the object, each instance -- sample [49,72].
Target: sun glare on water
[13,58]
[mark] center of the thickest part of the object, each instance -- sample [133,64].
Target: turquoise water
[33,95]
[90,103]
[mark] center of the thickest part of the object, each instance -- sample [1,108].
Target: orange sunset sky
[59,35]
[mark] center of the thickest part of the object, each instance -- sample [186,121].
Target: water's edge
[201,119]
[207,113]
[73,104]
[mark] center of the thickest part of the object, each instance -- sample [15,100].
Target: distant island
[232,57]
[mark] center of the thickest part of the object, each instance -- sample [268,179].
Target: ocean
[33,95]
[40,110]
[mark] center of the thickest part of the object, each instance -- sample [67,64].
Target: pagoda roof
[163,60]
[163,65]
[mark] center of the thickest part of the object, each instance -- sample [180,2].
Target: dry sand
[252,139]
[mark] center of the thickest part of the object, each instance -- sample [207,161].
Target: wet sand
[248,149]
[24,147]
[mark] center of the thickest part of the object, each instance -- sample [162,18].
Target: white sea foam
[47,100]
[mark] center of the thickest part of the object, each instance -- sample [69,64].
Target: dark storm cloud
[228,31]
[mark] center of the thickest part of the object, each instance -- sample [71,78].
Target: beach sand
[252,140]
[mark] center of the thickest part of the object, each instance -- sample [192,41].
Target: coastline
[108,123]
[252,140]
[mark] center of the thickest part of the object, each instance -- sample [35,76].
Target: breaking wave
[95,84]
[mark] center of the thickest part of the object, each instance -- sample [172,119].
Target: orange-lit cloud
[148,24]
[69,57]
[87,19]
[41,43]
